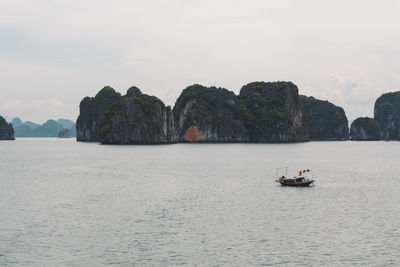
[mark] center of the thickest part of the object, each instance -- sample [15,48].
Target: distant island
[267,112]
[61,128]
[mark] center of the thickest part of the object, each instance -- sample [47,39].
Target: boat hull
[298,184]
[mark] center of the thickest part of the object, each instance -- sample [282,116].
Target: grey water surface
[65,203]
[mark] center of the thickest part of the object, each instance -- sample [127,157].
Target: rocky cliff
[365,129]
[263,112]
[326,121]
[208,114]
[6,130]
[137,118]
[387,114]
[273,112]
[91,111]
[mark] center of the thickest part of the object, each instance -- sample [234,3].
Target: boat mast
[277,171]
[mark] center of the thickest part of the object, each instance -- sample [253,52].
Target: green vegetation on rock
[91,113]
[326,121]
[137,118]
[272,112]
[387,114]
[214,112]
[6,130]
[365,129]
[133,91]
[263,112]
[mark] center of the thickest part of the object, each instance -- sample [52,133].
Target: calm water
[85,204]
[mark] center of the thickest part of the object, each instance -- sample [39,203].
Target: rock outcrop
[137,118]
[91,113]
[208,114]
[365,129]
[273,112]
[6,130]
[387,114]
[326,121]
[64,133]
[67,124]
[263,112]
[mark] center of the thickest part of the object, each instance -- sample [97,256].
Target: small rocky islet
[386,122]
[6,130]
[265,112]
[365,129]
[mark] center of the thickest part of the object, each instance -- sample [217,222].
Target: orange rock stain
[193,134]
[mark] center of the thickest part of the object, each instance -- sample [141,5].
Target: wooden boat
[300,181]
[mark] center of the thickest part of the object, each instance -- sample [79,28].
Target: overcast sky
[53,53]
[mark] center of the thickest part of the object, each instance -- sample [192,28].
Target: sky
[54,53]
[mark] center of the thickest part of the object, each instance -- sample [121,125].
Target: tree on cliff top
[269,109]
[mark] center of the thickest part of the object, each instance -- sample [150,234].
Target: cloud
[356,92]
[342,51]
[346,85]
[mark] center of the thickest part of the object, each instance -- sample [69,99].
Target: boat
[303,179]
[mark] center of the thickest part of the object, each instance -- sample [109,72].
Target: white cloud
[344,51]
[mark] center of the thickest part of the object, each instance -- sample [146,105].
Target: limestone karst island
[265,112]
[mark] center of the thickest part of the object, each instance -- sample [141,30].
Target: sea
[68,203]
